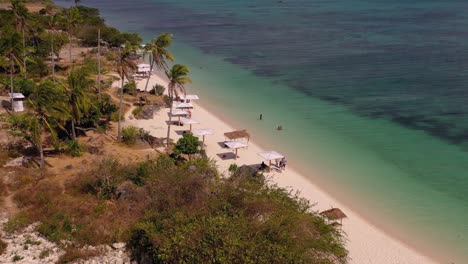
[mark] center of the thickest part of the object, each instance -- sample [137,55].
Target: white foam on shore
[366,243]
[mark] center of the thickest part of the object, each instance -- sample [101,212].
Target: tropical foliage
[178,77]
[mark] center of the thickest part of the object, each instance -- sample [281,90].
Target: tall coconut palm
[11,51]
[73,19]
[78,84]
[54,21]
[21,15]
[157,50]
[178,77]
[49,112]
[125,65]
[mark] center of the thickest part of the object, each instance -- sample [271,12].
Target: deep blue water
[380,86]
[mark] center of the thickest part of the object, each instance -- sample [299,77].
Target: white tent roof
[144,65]
[189,121]
[179,112]
[203,132]
[235,144]
[270,155]
[190,97]
[183,105]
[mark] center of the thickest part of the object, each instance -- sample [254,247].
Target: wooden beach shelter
[270,155]
[183,105]
[178,113]
[189,97]
[236,135]
[334,214]
[202,133]
[189,121]
[235,145]
[17,102]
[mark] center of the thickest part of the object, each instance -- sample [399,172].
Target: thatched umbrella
[334,214]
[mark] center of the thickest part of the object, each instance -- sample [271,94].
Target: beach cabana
[178,113]
[334,214]
[270,155]
[236,135]
[202,133]
[183,105]
[187,121]
[17,102]
[235,145]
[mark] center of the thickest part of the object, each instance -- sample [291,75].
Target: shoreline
[365,242]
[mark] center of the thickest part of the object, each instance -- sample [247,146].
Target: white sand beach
[366,243]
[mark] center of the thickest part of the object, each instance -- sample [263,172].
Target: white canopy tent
[189,121]
[235,145]
[202,133]
[270,155]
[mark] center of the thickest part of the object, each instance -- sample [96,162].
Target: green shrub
[158,90]
[233,168]
[130,88]
[137,111]
[130,135]
[74,148]
[16,223]
[44,254]
[17,258]
[188,144]
[167,100]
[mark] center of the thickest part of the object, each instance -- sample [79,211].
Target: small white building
[17,102]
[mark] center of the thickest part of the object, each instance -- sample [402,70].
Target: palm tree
[54,21]
[124,67]
[21,15]
[48,104]
[73,19]
[11,51]
[178,77]
[78,84]
[157,49]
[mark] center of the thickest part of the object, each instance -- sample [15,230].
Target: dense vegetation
[171,212]
[168,209]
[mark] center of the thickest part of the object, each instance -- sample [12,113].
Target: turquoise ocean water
[373,96]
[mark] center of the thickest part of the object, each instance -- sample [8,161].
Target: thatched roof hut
[333,214]
[237,135]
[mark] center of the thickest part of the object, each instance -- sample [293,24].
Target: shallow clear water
[372,94]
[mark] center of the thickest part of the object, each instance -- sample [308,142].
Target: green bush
[130,88]
[167,100]
[74,148]
[188,144]
[158,90]
[137,111]
[130,135]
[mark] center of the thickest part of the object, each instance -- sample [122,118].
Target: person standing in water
[261,116]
